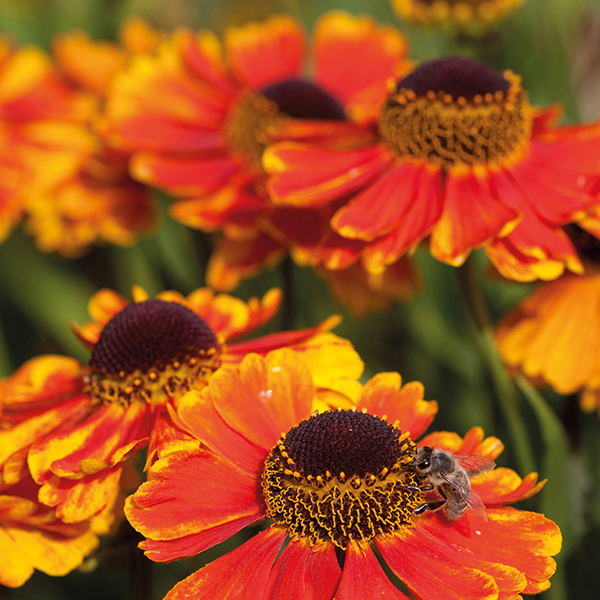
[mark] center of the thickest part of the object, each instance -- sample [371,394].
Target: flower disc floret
[149,349]
[468,14]
[457,110]
[342,475]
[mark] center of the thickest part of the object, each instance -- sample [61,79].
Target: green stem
[504,387]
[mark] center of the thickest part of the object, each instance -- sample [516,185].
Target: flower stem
[504,387]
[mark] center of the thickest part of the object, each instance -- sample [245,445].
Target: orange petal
[302,175]
[202,55]
[80,499]
[304,571]
[96,439]
[229,316]
[241,574]
[363,577]
[234,203]
[87,63]
[24,550]
[197,415]
[183,175]
[432,570]
[472,214]
[552,334]
[264,53]
[504,486]
[233,260]
[28,431]
[383,395]
[266,398]
[200,489]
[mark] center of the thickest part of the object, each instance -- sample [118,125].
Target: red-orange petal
[305,572]
[241,574]
[281,339]
[523,540]
[407,197]
[266,397]
[191,491]
[302,175]
[472,214]
[190,545]
[264,53]
[432,570]
[385,395]
[363,577]
[355,56]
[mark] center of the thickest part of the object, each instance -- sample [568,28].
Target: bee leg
[429,506]
[416,488]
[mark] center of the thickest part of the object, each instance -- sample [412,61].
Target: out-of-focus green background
[555,46]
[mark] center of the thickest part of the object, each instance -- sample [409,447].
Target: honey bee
[450,475]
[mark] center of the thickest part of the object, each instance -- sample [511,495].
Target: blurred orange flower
[31,537]
[73,425]
[43,129]
[462,158]
[553,335]
[338,484]
[99,201]
[197,117]
[474,16]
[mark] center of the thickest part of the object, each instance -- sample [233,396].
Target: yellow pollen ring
[461,13]
[337,508]
[156,385]
[488,130]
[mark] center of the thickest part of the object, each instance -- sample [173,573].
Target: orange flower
[552,336]
[31,537]
[74,425]
[197,119]
[473,16]
[98,201]
[461,157]
[43,137]
[337,484]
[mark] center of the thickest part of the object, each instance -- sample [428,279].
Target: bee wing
[474,502]
[474,464]
[477,506]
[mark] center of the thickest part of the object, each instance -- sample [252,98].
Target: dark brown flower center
[256,115]
[342,475]
[457,110]
[304,100]
[457,76]
[151,346]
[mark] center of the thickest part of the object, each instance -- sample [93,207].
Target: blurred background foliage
[555,46]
